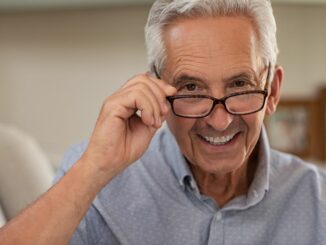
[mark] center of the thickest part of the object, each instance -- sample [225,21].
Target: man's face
[214,56]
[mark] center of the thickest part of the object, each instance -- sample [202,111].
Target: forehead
[215,44]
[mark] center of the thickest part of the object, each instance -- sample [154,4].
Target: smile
[218,140]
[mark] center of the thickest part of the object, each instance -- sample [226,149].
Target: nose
[219,119]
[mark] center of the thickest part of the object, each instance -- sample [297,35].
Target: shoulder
[162,147]
[287,163]
[289,171]
[155,165]
[145,181]
[298,192]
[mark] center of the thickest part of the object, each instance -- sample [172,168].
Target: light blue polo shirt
[156,201]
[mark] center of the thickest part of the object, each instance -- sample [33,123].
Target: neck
[225,187]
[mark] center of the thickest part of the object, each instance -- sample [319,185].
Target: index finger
[168,89]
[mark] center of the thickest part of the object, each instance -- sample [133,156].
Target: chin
[218,166]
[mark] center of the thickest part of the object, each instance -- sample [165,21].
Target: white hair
[164,12]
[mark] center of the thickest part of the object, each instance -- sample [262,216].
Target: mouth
[218,141]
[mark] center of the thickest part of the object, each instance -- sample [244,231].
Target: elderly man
[208,175]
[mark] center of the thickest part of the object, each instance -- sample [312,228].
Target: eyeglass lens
[238,104]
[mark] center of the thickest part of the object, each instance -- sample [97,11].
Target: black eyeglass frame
[216,101]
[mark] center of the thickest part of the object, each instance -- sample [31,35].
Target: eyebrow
[183,78]
[241,75]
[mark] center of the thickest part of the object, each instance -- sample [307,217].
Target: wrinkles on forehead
[194,49]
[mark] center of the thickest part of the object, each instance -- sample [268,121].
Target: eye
[239,83]
[191,87]
[242,84]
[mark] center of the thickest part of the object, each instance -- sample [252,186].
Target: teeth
[219,140]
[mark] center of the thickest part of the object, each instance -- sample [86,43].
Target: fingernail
[172,90]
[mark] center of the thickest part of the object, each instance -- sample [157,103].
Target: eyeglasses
[199,106]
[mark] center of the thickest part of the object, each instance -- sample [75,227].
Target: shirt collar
[177,161]
[260,183]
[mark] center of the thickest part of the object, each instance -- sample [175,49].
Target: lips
[218,140]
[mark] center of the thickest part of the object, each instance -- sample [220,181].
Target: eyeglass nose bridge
[217,102]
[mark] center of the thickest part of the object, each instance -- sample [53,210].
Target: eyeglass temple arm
[268,74]
[156,72]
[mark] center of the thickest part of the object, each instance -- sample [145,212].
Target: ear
[275,91]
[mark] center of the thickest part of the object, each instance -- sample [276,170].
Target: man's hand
[121,135]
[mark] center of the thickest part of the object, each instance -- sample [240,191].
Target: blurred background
[59,59]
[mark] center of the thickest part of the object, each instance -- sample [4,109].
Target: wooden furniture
[299,126]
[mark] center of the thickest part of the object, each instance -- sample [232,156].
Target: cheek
[180,127]
[253,123]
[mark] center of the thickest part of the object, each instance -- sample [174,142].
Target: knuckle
[141,88]
[107,104]
[139,78]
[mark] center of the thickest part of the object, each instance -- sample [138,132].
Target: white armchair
[2,218]
[25,171]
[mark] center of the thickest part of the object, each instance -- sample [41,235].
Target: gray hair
[164,12]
